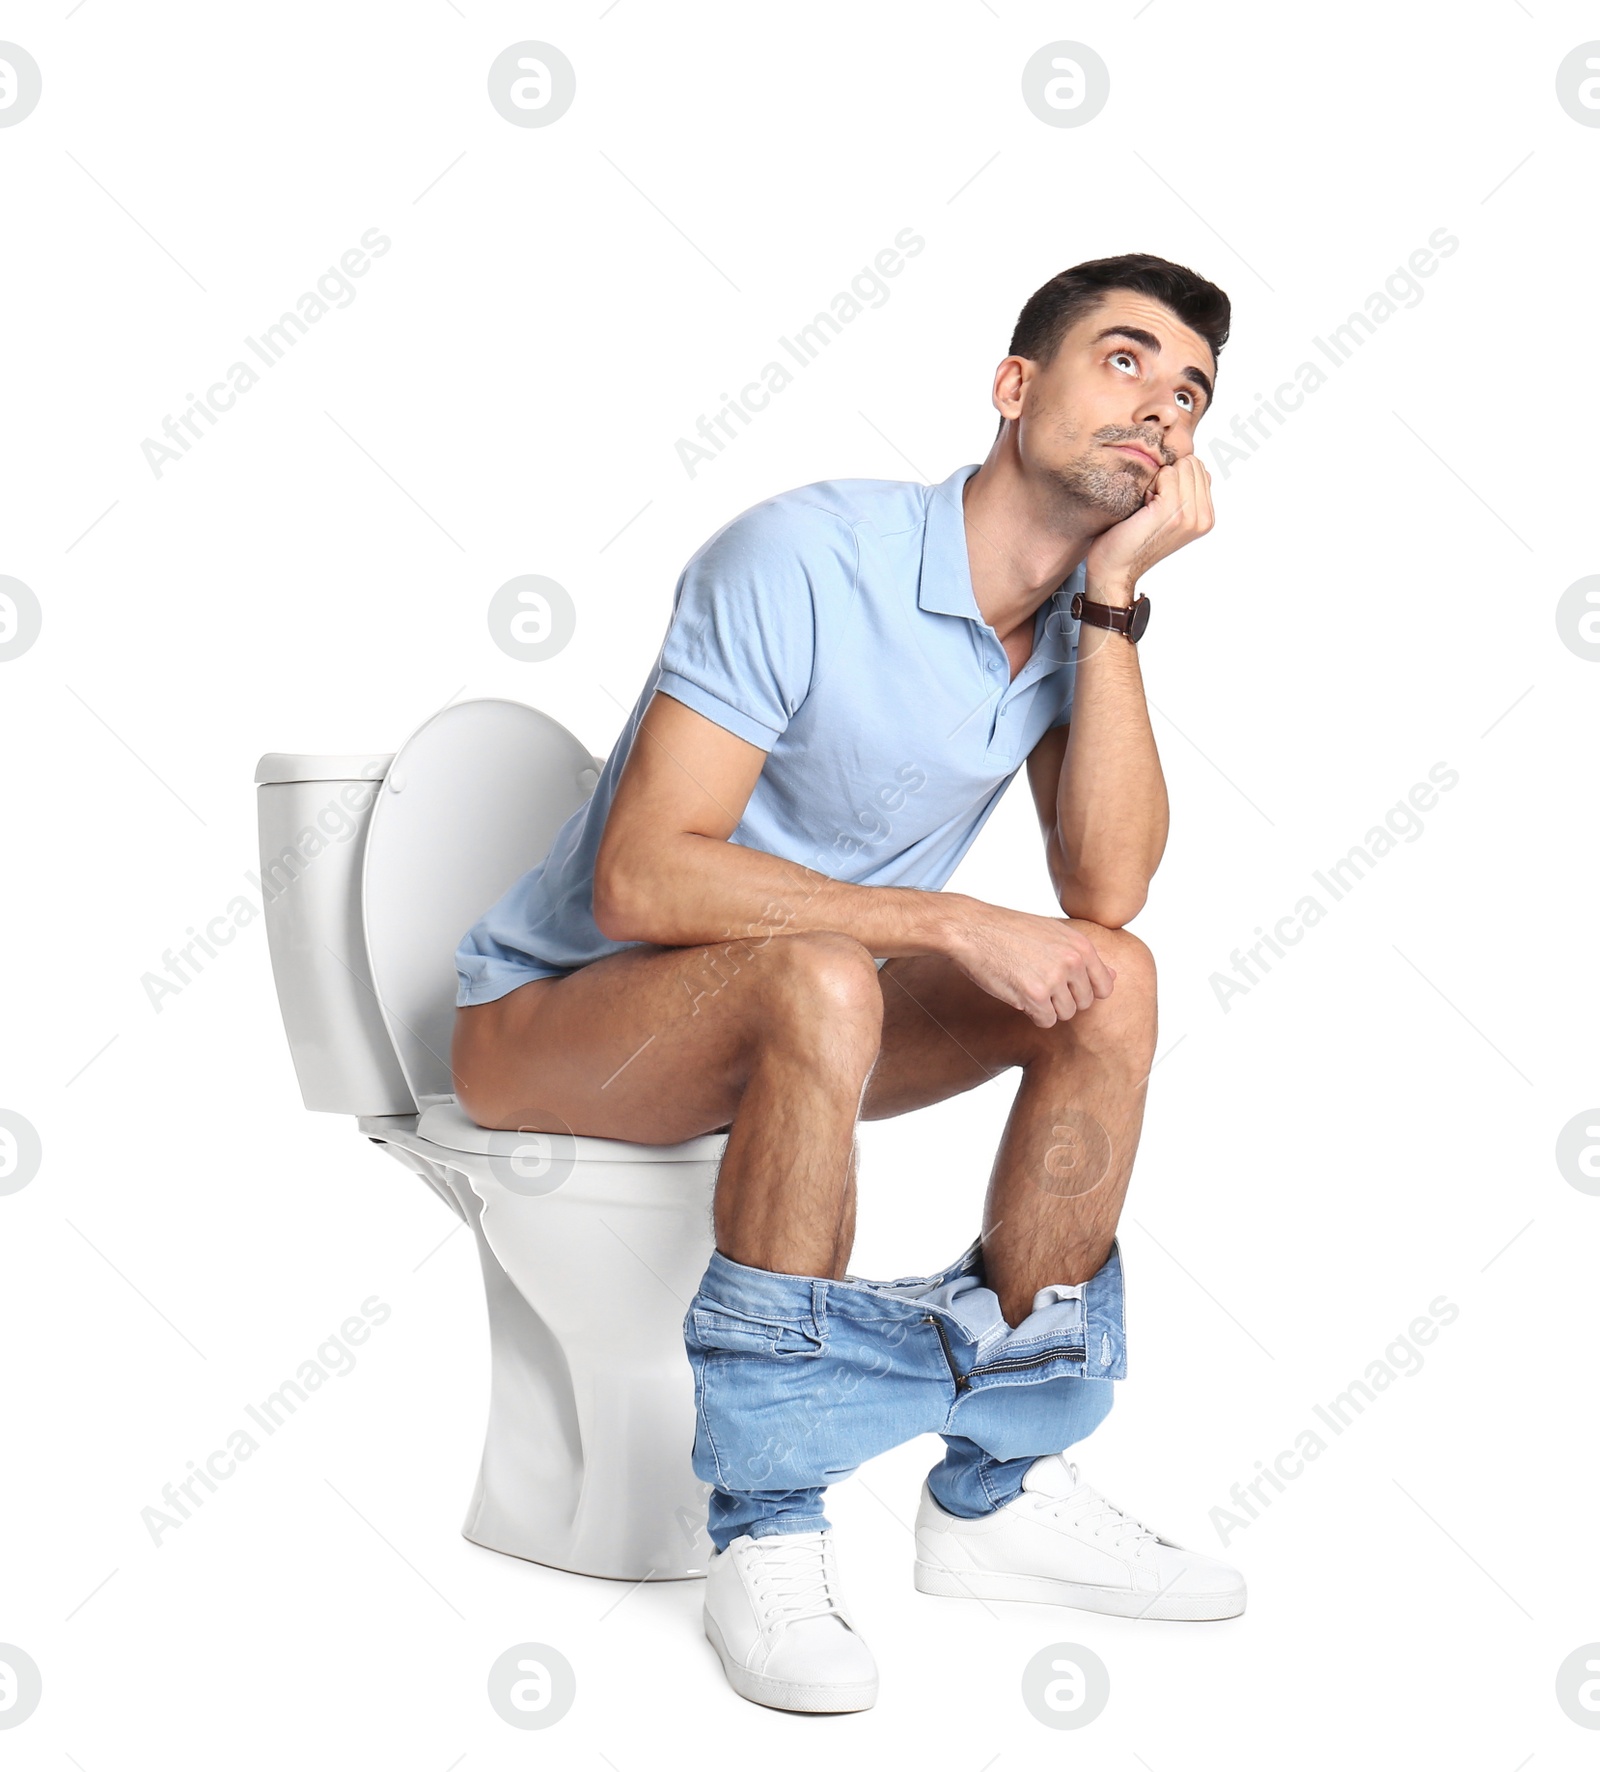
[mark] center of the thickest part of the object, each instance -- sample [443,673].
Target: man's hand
[1044,966]
[1177,508]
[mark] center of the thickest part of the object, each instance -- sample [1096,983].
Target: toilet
[373,868]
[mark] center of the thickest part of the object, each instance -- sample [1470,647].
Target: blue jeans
[798,1381]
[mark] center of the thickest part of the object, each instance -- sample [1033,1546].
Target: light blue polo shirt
[835,627]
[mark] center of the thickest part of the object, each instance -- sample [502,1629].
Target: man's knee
[1122,950]
[1124,1022]
[822,984]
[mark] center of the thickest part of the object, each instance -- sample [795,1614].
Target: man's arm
[1097,783]
[667,874]
[1098,786]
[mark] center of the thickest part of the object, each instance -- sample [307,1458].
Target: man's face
[1129,373]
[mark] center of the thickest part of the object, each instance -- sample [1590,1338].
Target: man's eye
[1118,357]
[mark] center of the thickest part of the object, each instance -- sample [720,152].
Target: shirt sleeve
[742,642]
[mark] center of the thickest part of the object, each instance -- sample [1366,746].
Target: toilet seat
[447,1125]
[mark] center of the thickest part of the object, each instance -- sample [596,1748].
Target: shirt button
[994,664]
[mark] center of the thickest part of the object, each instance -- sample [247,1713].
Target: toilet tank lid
[280,766]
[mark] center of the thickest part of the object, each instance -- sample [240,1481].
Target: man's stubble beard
[1087,483]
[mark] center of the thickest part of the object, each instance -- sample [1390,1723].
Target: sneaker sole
[788,1694]
[983,1584]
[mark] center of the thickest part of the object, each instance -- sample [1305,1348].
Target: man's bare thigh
[654,1044]
[645,1045]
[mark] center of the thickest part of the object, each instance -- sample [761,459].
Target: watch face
[1139,619]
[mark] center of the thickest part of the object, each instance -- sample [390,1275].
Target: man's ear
[1010,385]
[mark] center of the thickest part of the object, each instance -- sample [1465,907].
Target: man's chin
[1114,496]
[1124,507]
[1115,502]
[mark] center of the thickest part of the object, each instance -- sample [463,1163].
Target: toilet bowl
[373,867]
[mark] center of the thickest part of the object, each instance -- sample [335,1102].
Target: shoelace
[796,1580]
[1093,1506]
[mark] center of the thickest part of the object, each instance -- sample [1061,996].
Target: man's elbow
[620,907]
[1110,907]
[612,921]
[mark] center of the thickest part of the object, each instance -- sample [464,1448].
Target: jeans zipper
[949,1358]
[1033,1360]
[1016,1365]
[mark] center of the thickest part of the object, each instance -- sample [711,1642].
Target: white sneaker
[775,1617]
[1061,1541]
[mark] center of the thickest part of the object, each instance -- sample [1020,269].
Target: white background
[1371,1128]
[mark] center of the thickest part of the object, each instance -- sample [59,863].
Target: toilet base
[586,1457]
[538,1563]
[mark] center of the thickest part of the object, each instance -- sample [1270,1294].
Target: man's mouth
[1139,450]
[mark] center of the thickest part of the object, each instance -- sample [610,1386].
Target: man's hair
[1051,312]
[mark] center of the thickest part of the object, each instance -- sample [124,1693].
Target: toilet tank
[313,813]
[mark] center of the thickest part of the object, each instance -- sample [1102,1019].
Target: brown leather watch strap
[1130,622]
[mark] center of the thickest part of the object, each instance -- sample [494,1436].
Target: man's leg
[657,1045]
[1001,1517]
[1056,1189]
[1064,1160]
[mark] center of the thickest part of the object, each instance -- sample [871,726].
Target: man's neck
[1021,542]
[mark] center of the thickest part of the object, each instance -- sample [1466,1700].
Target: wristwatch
[1130,623]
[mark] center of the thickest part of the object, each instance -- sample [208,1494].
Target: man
[744,928]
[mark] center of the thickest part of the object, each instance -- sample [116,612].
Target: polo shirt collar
[945,583]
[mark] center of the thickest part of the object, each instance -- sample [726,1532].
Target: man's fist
[1177,508]
[1044,966]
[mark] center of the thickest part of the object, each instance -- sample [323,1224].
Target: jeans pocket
[715,1326]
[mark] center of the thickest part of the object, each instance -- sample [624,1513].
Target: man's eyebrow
[1153,345]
